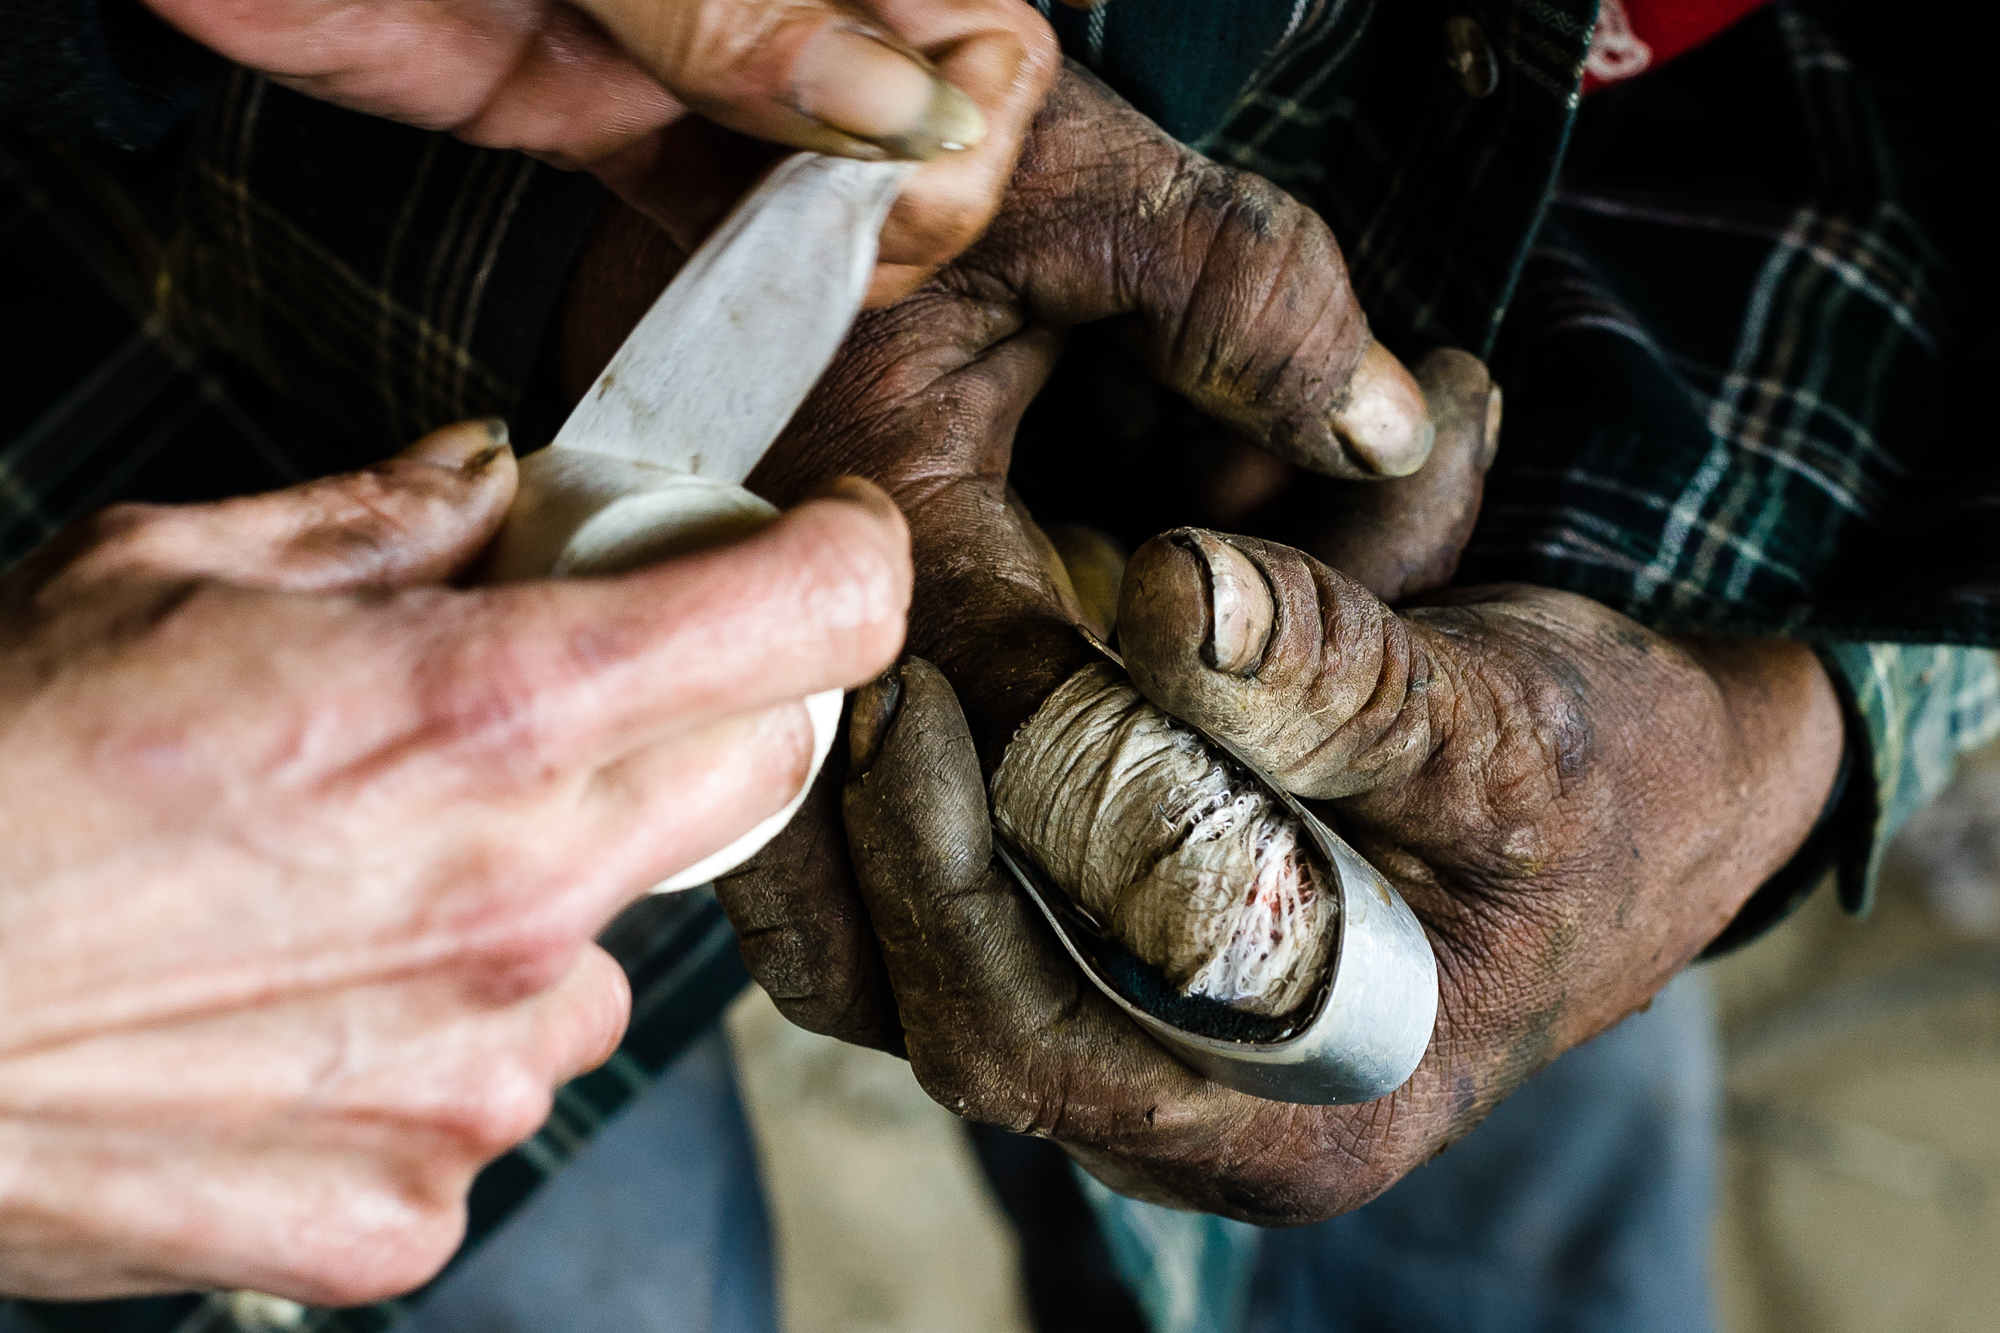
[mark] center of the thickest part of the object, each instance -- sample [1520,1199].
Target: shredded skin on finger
[1182,855]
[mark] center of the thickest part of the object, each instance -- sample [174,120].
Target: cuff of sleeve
[1908,710]
[1917,706]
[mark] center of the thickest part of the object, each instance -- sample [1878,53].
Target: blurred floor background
[880,1218]
[1863,1160]
[1862,1166]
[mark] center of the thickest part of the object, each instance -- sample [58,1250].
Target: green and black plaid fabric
[102,399]
[1723,329]
[1724,361]
[1725,314]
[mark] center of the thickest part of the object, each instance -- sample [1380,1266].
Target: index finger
[593,668]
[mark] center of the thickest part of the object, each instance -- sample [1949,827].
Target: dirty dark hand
[1572,805]
[1228,292]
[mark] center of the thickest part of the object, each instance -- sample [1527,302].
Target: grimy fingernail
[861,84]
[470,445]
[1240,609]
[875,707]
[1383,421]
[503,443]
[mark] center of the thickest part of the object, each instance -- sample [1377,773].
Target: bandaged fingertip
[1177,851]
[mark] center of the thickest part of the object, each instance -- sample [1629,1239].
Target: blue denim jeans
[1583,1205]
[658,1226]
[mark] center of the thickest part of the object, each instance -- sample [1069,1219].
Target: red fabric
[1667,27]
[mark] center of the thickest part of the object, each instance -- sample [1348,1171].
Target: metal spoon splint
[1360,1037]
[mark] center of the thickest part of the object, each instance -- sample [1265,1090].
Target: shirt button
[1469,56]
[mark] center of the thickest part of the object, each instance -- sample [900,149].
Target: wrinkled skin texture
[656,97]
[302,851]
[1233,294]
[1572,805]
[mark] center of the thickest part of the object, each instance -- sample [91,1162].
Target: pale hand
[302,851]
[610,85]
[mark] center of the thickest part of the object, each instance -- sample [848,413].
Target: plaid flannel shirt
[1716,318]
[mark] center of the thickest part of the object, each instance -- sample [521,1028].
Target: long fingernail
[470,445]
[859,83]
[1241,612]
[875,707]
[1382,421]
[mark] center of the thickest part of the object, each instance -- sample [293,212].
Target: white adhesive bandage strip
[1182,855]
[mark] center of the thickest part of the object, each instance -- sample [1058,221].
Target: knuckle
[482,691]
[367,516]
[180,618]
[947,1082]
[788,747]
[521,958]
[864,579]
[992,1087]
[1039,59]
[827,1014]
[490,1113]
[1555,718]
[599,1013]
[813,976]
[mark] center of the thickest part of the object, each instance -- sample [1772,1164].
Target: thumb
[420,517]
[1297,666]
[818,75]
[917,826]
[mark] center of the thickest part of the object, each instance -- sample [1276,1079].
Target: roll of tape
[581,513]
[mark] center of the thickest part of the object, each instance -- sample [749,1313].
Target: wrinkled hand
[302,851]
[1572,806]
[609,85]
[1233,295]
